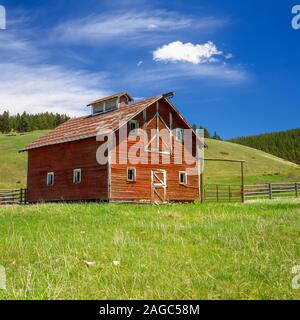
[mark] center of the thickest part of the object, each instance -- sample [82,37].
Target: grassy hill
[284,144]
[260,166]
[13,164]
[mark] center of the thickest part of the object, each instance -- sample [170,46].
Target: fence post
[296,189]
[229,193]
[270,190]
[243,182]
[21,195]
[217,193]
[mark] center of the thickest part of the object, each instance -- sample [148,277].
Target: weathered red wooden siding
[62,159]
[140,190]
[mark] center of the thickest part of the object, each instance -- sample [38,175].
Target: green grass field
[260,166]
[194,251]
[191,251]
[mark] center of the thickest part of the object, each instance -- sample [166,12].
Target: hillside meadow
[191,251]
[13,165]
[260,166]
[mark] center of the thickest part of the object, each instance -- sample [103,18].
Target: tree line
[207,133]
[29,122]
[283,144]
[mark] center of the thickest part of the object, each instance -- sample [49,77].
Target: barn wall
[62,159]
[140,190]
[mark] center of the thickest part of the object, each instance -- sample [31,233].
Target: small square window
[97,109]
[131,174]
[182,177]
[77,176]
[110,105]
[179,133]
[50,178]
[133,126]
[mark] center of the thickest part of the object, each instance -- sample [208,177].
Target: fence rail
[273,190]
[239,193]
[223,193]
[15,196]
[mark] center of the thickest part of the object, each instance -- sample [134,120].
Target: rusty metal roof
[91,126]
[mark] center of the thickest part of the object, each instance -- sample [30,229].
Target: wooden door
[159,186]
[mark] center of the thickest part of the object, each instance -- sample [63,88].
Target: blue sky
[234,65]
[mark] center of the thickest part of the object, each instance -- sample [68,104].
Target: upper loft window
[105,106]
[110,105]
[179,133]
[98,108]
[133,126]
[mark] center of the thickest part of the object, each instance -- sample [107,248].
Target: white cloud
[13,47]
[140,63]
[29,83]
[41,88]
[186,52]
[130,25]
[174,75]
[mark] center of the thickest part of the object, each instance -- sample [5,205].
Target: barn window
[110,105]
[133,126]
[50,178]
[97,109]
[182,177]
[179,133]
[131,174]
[77,176]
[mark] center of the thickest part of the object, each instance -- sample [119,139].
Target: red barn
[142,166]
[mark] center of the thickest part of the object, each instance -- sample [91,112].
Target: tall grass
[211,251]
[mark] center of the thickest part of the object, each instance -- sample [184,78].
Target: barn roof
[117,95]
[91,126]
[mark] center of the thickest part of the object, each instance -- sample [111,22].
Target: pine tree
[216,136]
[28,122]
[206,132]
[284,144]
[5,122]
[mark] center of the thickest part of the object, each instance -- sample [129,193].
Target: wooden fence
[238,193]
[16,196]
[223,193]
[272,190]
